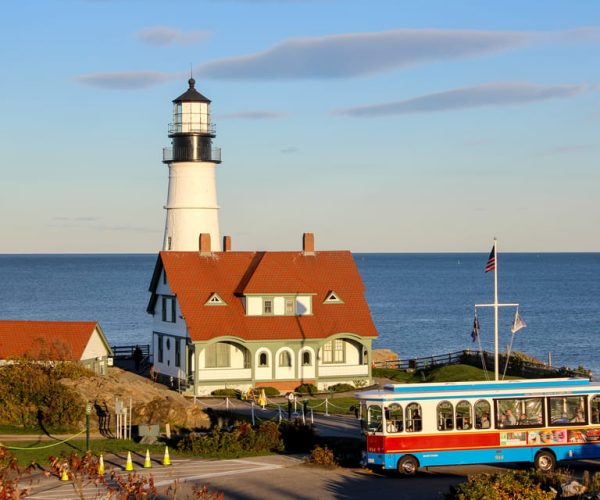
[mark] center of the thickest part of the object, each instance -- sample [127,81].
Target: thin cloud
[357,54]
[165,35]
[289,150]
[253,115]
[583,34]
[125,80]
[491,94]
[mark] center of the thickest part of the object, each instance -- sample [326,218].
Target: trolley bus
[408,426]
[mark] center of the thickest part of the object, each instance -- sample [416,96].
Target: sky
[380,126]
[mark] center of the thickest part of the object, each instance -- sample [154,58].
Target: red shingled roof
[66,339]
[194,278]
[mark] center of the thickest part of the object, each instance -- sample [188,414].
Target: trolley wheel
[545,461]
[408,465]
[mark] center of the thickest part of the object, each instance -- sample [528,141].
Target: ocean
[422,304]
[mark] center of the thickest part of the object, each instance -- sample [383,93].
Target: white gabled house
[252,319]
[54,341]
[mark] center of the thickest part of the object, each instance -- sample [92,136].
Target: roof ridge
[271,264]
[256,260]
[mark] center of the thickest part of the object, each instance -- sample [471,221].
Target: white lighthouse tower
[192,199]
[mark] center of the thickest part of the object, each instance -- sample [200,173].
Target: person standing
[138,355]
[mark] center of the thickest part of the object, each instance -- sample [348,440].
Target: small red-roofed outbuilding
[55,341]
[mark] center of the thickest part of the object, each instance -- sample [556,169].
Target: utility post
[88,412]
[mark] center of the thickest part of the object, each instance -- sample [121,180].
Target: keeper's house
[55,341]
[252,319]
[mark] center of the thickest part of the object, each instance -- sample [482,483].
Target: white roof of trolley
[507,388]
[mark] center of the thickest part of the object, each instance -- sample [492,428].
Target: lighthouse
[191,206]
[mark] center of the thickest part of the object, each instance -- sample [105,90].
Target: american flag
[491,263]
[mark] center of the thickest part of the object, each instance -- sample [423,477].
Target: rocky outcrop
[151,403]
[380,355]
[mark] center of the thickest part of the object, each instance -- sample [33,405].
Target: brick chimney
[227,243]
[204,245]
[308,244]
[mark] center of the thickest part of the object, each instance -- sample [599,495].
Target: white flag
[518,323]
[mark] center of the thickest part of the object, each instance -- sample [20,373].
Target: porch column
[196,355]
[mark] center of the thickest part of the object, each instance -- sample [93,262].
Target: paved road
[283,477]
[325,425]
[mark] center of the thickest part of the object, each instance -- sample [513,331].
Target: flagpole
[496,372]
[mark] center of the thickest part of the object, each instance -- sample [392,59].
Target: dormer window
[267,306]
[215,300]
[332,298]
[290,306]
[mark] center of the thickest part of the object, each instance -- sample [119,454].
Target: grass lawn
[336,406]
[448,373]
[39,451]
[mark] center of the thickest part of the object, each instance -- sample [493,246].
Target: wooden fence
[126,351]
[516,365]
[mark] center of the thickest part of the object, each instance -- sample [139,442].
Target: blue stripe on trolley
[484,456]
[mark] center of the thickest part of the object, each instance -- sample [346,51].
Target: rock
[572,489]
[151,402]
[380,355]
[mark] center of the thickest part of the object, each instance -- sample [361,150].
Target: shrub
[341,387]
[269,391]
[31,395]
[10,476]
[307,389]
[322,456]
[230,393]
[67,369]
[500,486]
[241,438]
[297,437]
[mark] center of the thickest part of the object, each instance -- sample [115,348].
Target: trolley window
[566,410]
[482,414]
[394,418]
[445,416]
[374,418]
[464,417]
[523,412]
[414,422]
[595,406]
